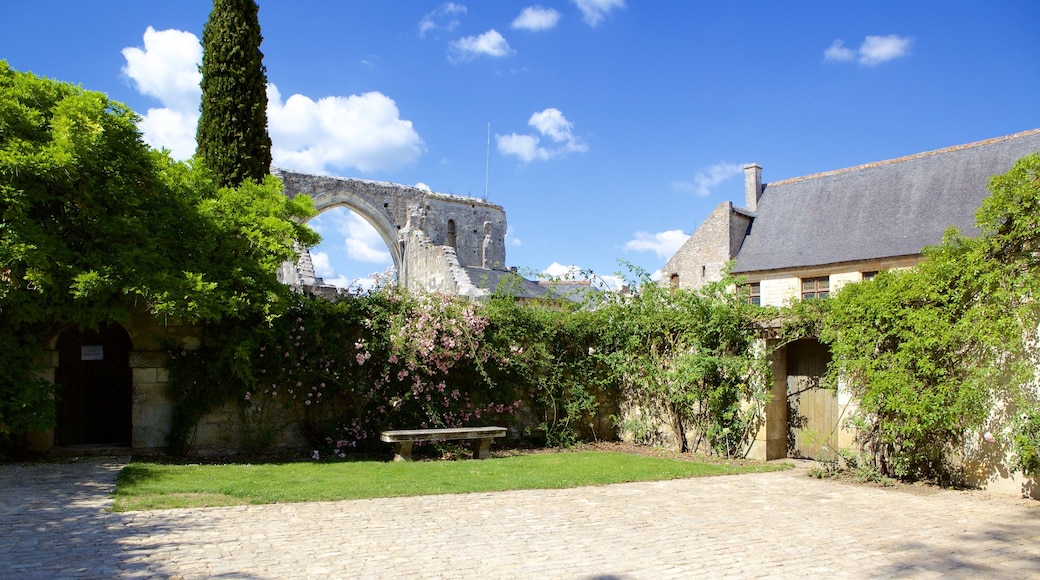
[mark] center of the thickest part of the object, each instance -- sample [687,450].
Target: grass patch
[144,486]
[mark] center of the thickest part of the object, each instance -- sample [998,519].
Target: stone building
[807,236]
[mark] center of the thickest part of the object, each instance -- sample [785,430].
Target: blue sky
[616,126]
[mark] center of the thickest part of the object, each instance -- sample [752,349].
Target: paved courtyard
[55,523]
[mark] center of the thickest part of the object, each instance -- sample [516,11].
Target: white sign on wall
[92,352]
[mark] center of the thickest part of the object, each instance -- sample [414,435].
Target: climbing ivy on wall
[939,353]
[338,373]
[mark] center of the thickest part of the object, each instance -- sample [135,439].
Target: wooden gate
[95,386]
[812,411]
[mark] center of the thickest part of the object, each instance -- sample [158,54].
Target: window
[674,281]
[752,291]
[815,287]
[451,233]
[869,275]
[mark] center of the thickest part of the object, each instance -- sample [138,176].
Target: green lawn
[143,486]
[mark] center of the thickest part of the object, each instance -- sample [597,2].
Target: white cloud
[511,239]
[360,131]
[878,49]
[557,270]
[535,18]
[364,132]
[549,123]
[523,146]
[873,51]
[346,238]
[371,62]
[491,43]
[423,186]
[365,284]
[170,129]
[708,177]
[552,123]
[837,51]
[594,11]
[361,241]
[167,69]
[445,18]
[322,266]
[363,251]
[609,282]
[663,244]
[338,281]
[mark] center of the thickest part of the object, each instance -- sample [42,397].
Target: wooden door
[95,386]
[812,411]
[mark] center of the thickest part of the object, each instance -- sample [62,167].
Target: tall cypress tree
[232,132]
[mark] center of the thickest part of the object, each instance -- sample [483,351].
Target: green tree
[691,356]
[94,224]
[906,347]
[932,353]
[232,132]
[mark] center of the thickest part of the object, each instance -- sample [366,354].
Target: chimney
[752,186]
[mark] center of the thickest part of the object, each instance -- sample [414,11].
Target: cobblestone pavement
[55,523]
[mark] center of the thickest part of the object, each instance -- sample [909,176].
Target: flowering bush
[339,373]
[343,371]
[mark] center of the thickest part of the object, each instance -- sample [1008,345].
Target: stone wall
[770,440]
[479,229]
[704,256]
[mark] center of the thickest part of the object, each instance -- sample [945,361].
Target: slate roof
[879,210]
[521,287]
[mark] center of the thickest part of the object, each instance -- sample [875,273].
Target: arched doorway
[95,387]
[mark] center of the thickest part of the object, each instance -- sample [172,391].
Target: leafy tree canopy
[91,216]
[94,223]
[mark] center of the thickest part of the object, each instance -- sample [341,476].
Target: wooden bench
[481,437]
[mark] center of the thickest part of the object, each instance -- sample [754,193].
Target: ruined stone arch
[416,225]
[368,199]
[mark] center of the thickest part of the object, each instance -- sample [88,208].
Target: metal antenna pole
[487,163]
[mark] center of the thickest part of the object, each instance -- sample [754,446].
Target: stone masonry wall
[702,258]
[479,229]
